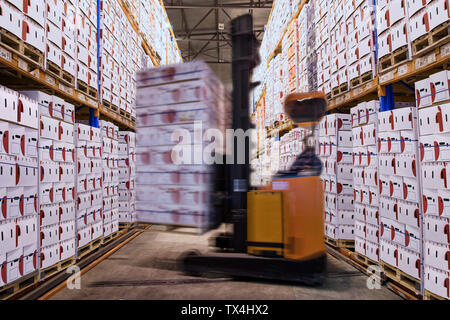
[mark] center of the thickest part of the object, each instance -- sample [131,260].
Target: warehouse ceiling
[197,25]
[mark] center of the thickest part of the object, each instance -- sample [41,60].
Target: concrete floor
[146,268]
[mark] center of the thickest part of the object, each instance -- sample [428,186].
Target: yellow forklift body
[265,223]
[303,222]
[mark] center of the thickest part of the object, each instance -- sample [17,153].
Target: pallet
[57,268]
[90,247]
[396,275]
[12,289]
[110,237]
[340,243]
[125,114]
[87,90]
[110,106]
[58,72]
[393,60]
[431,40]
[21,48]
[362,79]
[328,96]
[367,262]
[431,296]
[126,225]
[340,90]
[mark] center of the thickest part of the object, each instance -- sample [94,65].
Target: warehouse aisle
[145,269]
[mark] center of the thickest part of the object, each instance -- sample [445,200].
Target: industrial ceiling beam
[182,31]
[243,6]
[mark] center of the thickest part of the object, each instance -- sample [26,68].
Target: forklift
[278,230]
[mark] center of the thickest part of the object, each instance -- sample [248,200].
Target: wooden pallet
[340,243]
[87,90]
[21,48]
[125,225]
[110,106]
[12,289]
[431,40]
[88,248]
[328,96]
[56,268]
[362,79]
[58,72]
[363,259]
[431,296]
[400,277]
[393,60]
[125,114]
[111,237]
[340,90]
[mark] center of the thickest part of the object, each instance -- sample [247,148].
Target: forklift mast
[245,59]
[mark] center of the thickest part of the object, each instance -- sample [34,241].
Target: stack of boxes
[25,21]
[127,176]
[335,151]
[86,45]
[433,102]
[293,56]
[365,178]
[399,203]
[89,184]
[57,178]
[425,17]
[322,43]
[361,64]
[120,57]
[392,29]
[290,146]
[110,176]
[69,40]
[18,191]
[182,104]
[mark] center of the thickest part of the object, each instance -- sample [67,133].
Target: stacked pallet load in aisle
[365,178]
[433,103]
[183,101]
[335,151]
[57,182]
[127,178]
[89,186]
[110,178]
[18,192]
[400,219]
[413,38]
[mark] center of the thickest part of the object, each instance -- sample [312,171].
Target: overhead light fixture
[221,26]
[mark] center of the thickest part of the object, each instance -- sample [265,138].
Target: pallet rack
[24,68]
[429,54]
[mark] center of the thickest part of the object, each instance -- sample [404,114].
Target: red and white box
[438,12]
[437,229]
[409,262]
[436,281]
[389,252]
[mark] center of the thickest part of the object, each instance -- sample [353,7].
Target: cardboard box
[435,281]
